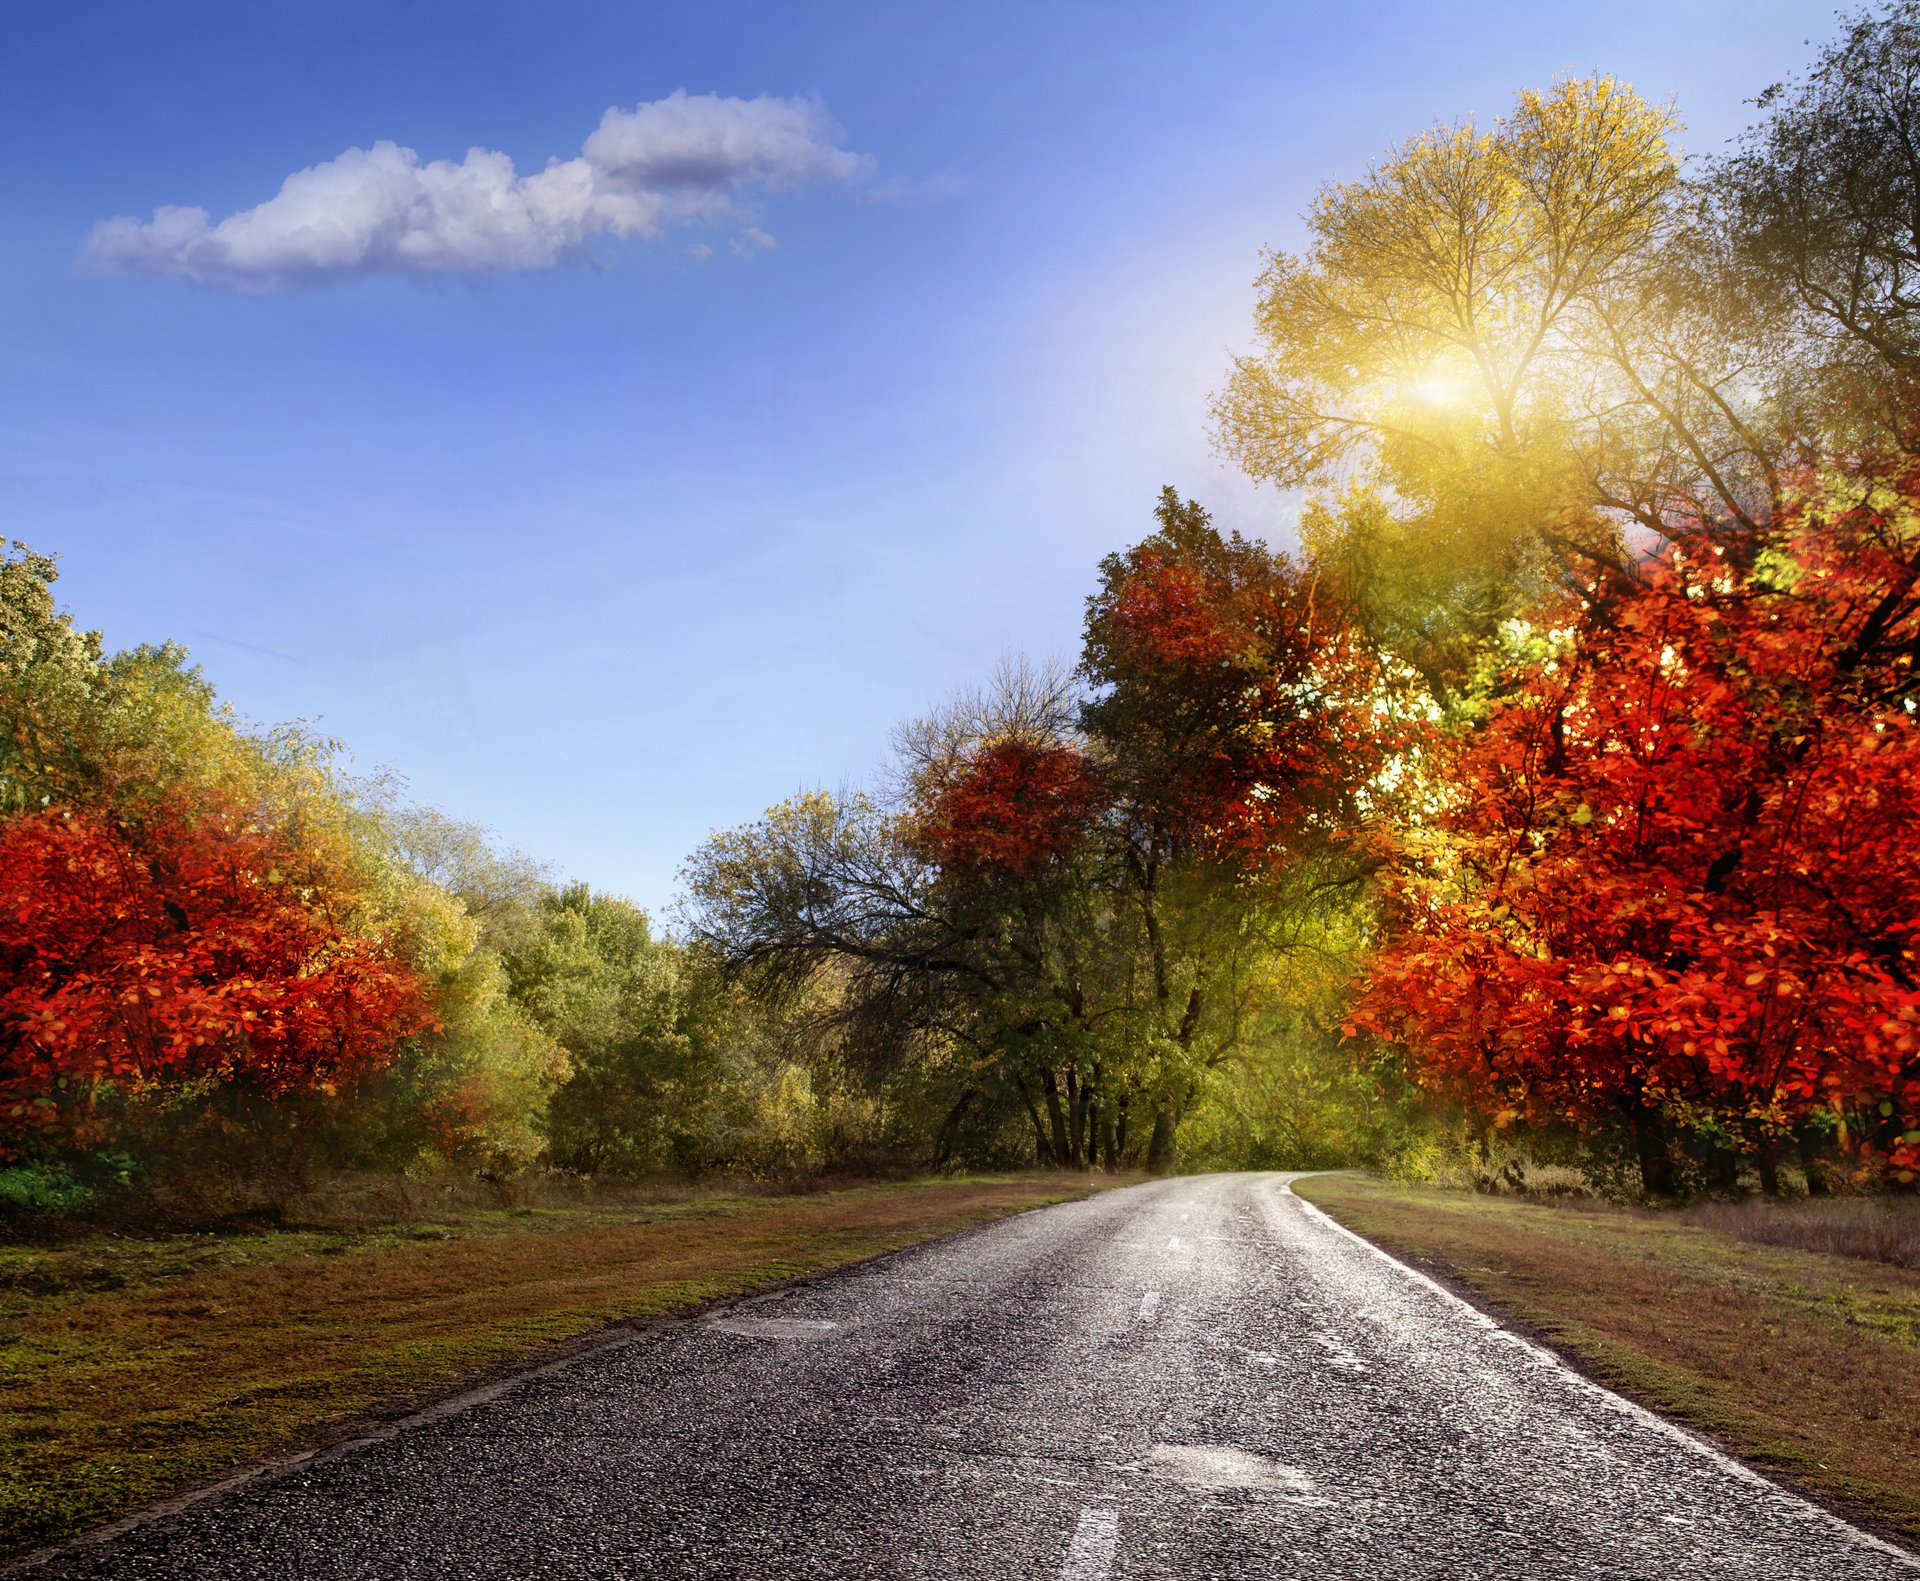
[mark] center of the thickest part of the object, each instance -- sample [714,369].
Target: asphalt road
[1194,1378]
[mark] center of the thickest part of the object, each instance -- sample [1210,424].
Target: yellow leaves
[1594,158]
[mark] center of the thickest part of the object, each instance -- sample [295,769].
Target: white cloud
[383,211]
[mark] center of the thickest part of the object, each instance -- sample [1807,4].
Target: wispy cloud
[687,158]
[752,240]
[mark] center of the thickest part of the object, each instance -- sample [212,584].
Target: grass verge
[1801,1362]
[131,1368]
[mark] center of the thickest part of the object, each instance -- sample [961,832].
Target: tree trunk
[943,1148]
[1810,1164]
[1042,1152]
[1650,1146]
[1160,1146]
[1056,1118]
[1079,1096]
[1120,1125]
[1769,1174]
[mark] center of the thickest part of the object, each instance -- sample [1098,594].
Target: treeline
[1555,799]
[1558,797]
[229,968]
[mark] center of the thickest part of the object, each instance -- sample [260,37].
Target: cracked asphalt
[1194,1378]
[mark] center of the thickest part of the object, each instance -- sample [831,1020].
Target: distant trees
[217,944]
[1074,899]
[228,966]
[641,1025]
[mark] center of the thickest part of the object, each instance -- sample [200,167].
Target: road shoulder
[1800,1364]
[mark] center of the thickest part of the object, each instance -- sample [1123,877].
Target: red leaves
[1010,809]
[1236,707]
[179,949]
[1679,867]
[1170,619]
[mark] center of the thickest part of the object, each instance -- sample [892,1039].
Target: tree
[1240,724]
[1820,210]
[50,674]
[639,1024]
[1501,345]
[1676,885]
[201,944]
[983,975]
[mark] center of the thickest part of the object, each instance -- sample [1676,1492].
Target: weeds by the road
[132,1367]
[1789,1334]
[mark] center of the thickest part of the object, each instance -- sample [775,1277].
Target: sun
[1436,389]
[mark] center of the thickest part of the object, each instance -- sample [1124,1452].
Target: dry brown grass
[132,1368]
[1874,1229]
[1798,1360]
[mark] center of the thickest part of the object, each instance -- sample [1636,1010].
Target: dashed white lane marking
[1090,1554]
[1149,1304]
[1338,1355]
[1173,1243]
[772,1327]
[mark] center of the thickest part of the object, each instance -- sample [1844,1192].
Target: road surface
[1194,1378]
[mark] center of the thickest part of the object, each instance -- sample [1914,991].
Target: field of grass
[1738,1321]
[131,1368]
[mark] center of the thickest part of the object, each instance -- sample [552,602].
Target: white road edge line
[1149,1304]
[1617,1402]
[1090,1554]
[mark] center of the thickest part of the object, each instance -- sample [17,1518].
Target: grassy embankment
[131,1368]
[1777,1331]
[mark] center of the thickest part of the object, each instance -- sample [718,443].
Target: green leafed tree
[641,1026]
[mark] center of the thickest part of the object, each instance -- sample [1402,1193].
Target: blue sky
[626,543]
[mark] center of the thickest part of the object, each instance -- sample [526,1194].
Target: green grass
[134,1368]
[1804,1363]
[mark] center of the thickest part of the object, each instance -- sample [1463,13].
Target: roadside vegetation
[1547,813]
[1790,1336]
[1556,793]
[133,1367]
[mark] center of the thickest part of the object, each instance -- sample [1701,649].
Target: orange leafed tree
[1011,809]
[1236,702]
[202,941]
[1678,881]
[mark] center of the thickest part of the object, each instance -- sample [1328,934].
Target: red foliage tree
[1012,808]
[1236,705]
[1678,881]
[198,943]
